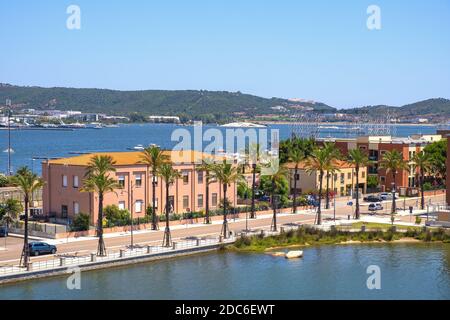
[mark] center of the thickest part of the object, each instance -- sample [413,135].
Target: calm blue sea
[29,144]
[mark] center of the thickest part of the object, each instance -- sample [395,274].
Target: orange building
[376,146]
[63,199]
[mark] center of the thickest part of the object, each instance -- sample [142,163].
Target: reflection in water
[408,271]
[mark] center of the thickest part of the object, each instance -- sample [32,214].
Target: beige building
[340,183]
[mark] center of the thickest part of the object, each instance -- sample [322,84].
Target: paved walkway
[78,246]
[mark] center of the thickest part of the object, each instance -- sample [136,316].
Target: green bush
[115,217]
[418,220]
[427,186]
[80,222]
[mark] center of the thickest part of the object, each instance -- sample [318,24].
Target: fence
[67,261]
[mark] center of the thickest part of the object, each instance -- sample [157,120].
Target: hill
[439,107]
[208,106]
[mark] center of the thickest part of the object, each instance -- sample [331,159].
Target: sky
[320,50]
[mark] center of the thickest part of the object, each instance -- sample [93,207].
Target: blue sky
[320,50]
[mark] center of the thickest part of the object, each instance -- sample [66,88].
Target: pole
[334,209]
[9,142]
[132,222]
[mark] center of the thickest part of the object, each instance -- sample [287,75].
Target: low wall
[146,226]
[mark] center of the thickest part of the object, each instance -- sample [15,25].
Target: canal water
[408,271]
[29,144]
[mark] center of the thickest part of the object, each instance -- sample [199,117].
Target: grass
[373,225]
[310,236]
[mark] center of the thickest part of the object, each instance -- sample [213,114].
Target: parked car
[372,198]
[37,248]
[386,196]
[3,232]
[375,207]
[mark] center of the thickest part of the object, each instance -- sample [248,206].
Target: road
[14,245]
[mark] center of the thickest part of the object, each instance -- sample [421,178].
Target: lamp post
[131,214]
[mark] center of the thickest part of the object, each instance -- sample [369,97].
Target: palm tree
[154,157]
[423,162]
[254,154]
[206,167]
[28,182]
[276,179]
[226,174]
[169,175]
[393,162]
[97,179]
[359,159]
[333,153]
[297,156]
[11,210]
[318,162]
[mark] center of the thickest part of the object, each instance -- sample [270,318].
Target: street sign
[350,203]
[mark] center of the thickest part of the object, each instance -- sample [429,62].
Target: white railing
[112,256]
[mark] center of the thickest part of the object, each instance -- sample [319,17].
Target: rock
[294,254]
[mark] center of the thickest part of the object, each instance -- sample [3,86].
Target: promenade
[117,241]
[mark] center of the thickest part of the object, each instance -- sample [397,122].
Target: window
[335,177]
[64,181]
[342,177]
[155,179]
[383,180]
[138,206]
[76,208]
[297,177]
[200,177]
[363,174]
[185,177]
[75,181]
[349,175]
[200,201]
[185,202]
[138,180]
[214,200]
[64,211]
[122,205]
[122,181]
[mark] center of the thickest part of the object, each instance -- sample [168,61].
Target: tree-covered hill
[205,105]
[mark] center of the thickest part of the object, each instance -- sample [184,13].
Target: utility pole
[8,105]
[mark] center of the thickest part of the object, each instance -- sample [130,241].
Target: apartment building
[341,182]
[62,196]
[377,146]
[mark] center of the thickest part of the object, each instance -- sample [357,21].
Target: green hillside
[191,104]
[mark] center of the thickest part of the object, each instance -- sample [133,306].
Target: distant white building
[164,119]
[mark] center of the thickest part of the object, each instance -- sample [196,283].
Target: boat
[243,125]
[138,147]
[9,150]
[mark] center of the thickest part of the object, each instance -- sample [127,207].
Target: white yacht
[243,125]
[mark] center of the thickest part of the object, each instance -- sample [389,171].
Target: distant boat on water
[9,150]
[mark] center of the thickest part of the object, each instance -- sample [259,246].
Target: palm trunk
[154,225]
[422,200]
[394,209]
[327,195]
[253,213]
[357,192]
[207,220]
[319,210]
[294,202]
[101,250]
[167,237]
[225,222]
[274,208]
[25,259]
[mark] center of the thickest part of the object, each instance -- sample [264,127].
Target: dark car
[3,232]
[37,248]
[372,199]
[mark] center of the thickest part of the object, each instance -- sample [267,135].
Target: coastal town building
[341,182]
[377,146]
[63,199]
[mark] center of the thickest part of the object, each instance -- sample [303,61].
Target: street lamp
[131,215]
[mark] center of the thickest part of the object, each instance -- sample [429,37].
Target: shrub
[427,186]
[80,222]
[116,217]
[418,220]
